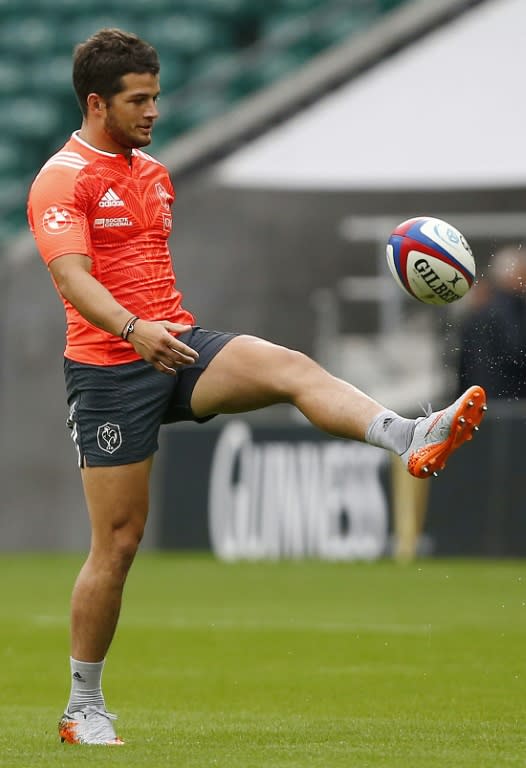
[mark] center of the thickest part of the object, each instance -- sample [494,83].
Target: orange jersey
[119,214]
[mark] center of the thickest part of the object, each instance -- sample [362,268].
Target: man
[100,213]
[492,329]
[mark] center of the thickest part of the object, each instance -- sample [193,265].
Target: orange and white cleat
[90,725]
[438,435]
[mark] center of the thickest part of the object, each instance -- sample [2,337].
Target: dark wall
[476,506]
[246,260]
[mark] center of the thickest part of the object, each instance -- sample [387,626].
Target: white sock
[391,431]
[86,687]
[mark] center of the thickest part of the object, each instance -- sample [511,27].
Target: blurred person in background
[492,332]
[491,324]
[100,212]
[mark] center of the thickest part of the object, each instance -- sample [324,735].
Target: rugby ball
[431,260]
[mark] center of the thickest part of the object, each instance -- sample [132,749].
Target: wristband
[129,327]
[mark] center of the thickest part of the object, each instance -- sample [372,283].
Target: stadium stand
[214,53]
[36,467]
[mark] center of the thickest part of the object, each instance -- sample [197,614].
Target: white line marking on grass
[244,625]
[50,621]
[249,625]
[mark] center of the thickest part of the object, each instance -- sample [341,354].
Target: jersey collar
[75,135]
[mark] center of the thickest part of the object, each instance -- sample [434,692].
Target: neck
[100,140]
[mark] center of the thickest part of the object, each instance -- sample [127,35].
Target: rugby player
[135,357]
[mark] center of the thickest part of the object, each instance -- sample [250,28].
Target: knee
[126,543]
[122,548]
[296,369]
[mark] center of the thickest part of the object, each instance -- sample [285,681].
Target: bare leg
[117,500]
[251,373]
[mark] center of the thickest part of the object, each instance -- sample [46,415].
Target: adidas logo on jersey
[110,200]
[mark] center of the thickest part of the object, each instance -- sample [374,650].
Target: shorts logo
[55,220]
[109,437]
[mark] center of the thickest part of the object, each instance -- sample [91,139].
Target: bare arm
[153,341]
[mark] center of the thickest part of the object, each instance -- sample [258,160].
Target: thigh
[117,500]
[249,373]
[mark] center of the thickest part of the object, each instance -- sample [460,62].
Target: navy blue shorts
[115,411]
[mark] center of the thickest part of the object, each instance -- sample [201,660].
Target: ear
[96,103]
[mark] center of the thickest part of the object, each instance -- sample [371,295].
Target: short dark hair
[104,58]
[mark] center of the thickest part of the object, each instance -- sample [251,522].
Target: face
[131,113]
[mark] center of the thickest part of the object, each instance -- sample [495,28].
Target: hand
[155,343]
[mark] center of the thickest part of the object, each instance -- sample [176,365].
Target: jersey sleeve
[55,216]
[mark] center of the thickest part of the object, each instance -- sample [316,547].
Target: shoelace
[428,410]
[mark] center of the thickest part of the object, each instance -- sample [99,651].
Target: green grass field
[268,665]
